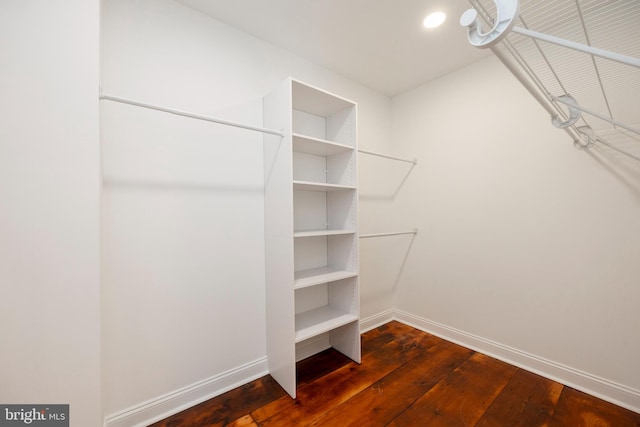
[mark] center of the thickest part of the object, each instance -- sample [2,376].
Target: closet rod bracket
[588,138]
[574,112]
[506,10]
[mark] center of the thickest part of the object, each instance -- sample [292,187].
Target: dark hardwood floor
[407,378]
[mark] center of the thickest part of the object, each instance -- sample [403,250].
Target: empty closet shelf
[316,146]
[320,186]
[315,233]
[317,276]
[320,320]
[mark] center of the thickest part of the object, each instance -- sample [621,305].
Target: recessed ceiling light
[434,20]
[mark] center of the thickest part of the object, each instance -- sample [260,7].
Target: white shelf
[317,101]
[316,146]
[317,276]
[320,186]
[320,320]
[316,233]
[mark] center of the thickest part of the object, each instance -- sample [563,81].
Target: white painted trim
[376,320]
[171,403]
[602,388]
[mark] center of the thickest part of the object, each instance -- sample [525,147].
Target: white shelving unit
[311,238]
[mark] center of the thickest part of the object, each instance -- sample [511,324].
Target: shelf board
[320,320]
[317,101]
[320,186]
[315,233]
[317,276]
[316,146]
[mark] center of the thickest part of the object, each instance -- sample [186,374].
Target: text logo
[34,415]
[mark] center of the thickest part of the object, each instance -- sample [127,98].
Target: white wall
[524,240]
[49,206]
[382,258]
[182,216]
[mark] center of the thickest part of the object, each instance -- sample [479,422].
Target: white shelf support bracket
[507,12]
[574,112]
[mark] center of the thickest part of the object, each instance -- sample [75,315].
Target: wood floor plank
[246,421]
[227,408]
[528,400]
[386,333]
[388,397]
[578,409]
[408,378]
[318,397]
[462,398]
[320,365]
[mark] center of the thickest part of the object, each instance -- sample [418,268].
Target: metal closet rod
[190,115]
[397,233]
[218,120]
[414,161]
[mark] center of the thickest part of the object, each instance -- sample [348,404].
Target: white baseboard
[376,320]
[164,406]
[602,388]
[171,403]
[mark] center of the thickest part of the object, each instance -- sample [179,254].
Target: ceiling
[380,44]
